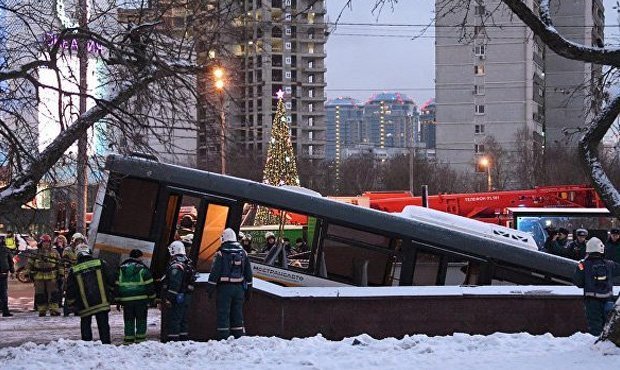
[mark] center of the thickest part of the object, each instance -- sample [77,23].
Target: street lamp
[486,163]
[218,74]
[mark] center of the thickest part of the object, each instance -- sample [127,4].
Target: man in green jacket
[231,278]
[135,291]
[89,293]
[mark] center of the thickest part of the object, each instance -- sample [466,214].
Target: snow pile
[418,351]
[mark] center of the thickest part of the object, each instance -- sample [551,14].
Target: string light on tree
[280,165]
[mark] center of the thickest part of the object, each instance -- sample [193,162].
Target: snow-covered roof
[469,226]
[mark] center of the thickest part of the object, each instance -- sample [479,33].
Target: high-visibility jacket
[10,243]
[89,286]
[135,282]
[45,264]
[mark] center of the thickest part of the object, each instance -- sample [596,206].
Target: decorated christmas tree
[280,165]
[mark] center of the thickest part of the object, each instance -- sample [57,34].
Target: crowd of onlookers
[559,244]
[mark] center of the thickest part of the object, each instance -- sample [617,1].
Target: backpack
[233,265]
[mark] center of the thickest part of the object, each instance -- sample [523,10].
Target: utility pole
[82,155]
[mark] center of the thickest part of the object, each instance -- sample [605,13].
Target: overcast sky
[384,58]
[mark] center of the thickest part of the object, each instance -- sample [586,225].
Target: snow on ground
[497,351]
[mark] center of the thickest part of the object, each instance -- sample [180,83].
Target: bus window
[356,257]
[186,221]
[426,270]
[214,225]
[131,207]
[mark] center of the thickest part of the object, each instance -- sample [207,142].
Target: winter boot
[42,314]
[6,314]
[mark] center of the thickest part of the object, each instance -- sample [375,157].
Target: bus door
[197,220]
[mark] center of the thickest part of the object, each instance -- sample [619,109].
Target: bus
[139,203]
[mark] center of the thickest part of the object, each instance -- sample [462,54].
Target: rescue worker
[11,242]
[559,243]
[135,292]
[89,293]
[612,248]
[60,243]
[186,225]
[577,248]
[6,268]
[178,286]
[270,241]
[246,242]
[45,267]
[594,274]
[231,277]
[69,257]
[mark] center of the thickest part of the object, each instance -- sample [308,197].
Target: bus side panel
[115,249]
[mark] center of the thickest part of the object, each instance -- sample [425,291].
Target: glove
[248,294]
[210,290]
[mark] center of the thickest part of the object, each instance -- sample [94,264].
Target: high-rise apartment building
[489,82]
[390,121]
[344,122]
[427,127]
[495,79]
[573,88]
[282,47]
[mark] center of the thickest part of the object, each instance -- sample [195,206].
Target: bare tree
[146,61]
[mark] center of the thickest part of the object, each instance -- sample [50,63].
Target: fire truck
[491,207]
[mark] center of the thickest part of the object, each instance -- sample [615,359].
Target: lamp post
[486,163]
[218,74]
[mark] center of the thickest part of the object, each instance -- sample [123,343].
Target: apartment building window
[311,79]
[479,109]
[287,31]
[479,50]
[310,122]
[310,135]
[479,148]
[311,18]
[311,93]
[479,10]
[287,89]
[479,70]
[310,64]
[479,129]
[287,75]
[478,89]
[287,2]
[310,107]
[287,16]
[288,119]
[478,30]
[288,105]
[287,46]
[310,48]
[287,60]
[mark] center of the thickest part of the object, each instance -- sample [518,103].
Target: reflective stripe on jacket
[45,265]
[88,287]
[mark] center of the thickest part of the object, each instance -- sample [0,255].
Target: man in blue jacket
[231,276]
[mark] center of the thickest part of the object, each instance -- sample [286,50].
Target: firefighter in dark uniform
[45,268]
[89,293]
[594,274]
[178,286]
[231,277]
[135,291]
[246,242]
[6,268]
